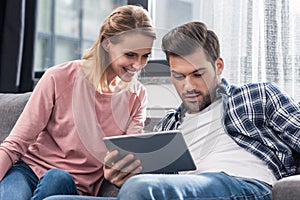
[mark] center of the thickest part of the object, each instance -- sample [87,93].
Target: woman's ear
[105,44]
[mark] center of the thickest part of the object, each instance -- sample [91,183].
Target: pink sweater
[63,124]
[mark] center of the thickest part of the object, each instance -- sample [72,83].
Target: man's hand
[118,171]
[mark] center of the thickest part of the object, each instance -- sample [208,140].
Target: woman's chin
[128,77]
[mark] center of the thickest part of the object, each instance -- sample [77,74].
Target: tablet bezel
[159,152]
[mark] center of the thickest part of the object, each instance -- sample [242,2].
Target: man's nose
[189,84]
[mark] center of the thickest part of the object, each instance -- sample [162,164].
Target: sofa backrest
[11,106]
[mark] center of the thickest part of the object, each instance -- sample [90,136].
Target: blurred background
[260,40]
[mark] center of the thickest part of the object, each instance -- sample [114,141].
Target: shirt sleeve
[31,122]
[171,121]
[284,116]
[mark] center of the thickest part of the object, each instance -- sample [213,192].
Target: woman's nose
[139,63]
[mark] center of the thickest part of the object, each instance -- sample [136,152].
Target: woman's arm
[31,122]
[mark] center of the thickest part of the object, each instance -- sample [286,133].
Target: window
[259,39]
[66,28]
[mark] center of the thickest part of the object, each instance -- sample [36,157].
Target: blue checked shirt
[260,118]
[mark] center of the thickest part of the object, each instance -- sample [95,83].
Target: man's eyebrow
[173,71]
[195,71]
[198,70]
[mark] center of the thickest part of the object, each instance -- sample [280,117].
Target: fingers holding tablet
[117,169]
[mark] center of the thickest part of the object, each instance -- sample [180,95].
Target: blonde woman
[56,145]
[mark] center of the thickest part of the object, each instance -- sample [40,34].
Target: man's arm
[284,116]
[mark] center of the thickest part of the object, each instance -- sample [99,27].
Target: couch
[11,106]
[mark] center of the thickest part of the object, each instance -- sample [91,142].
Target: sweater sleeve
[136,125]
[31,122]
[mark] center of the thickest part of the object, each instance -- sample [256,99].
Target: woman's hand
[118,171]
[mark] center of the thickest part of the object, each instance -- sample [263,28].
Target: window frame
[51,36]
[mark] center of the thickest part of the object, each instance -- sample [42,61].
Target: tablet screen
[159,152]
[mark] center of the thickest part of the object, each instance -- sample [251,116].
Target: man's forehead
[194,58]
[187,70]
[188,64]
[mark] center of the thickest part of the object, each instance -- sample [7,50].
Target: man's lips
[191,97]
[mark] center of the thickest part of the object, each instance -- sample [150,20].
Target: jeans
[20,182]
[69,197]
[206,186]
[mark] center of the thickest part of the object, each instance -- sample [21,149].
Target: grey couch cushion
[287,188]
[11,106]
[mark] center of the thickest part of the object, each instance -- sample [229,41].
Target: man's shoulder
[261,93]
[259,87]
[172,114]
[170,121]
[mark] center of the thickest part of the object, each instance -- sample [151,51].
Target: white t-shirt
[214,151]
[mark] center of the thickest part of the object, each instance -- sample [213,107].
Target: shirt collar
[224,88]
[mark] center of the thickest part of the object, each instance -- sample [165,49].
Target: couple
[241,138]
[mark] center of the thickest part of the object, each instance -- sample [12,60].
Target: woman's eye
[130,54]
[146,55]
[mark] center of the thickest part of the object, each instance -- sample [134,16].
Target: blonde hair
[121,20]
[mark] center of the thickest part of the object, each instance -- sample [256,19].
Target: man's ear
[219,65]
[105,44]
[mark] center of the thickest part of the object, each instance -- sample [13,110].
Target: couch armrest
[11,106]
[287,188]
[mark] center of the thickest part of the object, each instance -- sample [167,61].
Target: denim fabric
[69,197]
[206,186]
[20,182]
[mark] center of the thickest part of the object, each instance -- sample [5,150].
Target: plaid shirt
[260,118]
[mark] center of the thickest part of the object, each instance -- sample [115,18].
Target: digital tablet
[159,152]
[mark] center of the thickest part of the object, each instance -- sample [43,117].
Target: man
[243,139]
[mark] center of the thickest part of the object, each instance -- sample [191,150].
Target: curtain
[260,41]
[17,35]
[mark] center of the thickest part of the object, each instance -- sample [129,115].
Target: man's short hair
[190,37]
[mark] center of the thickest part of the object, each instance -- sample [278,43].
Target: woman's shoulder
[63,73]
[60,77]
[64,69]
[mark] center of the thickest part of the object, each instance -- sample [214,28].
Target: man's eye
[178,77]
[198,75]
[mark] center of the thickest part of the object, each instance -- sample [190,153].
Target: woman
[56,145]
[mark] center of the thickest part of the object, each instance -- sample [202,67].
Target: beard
[193,107]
